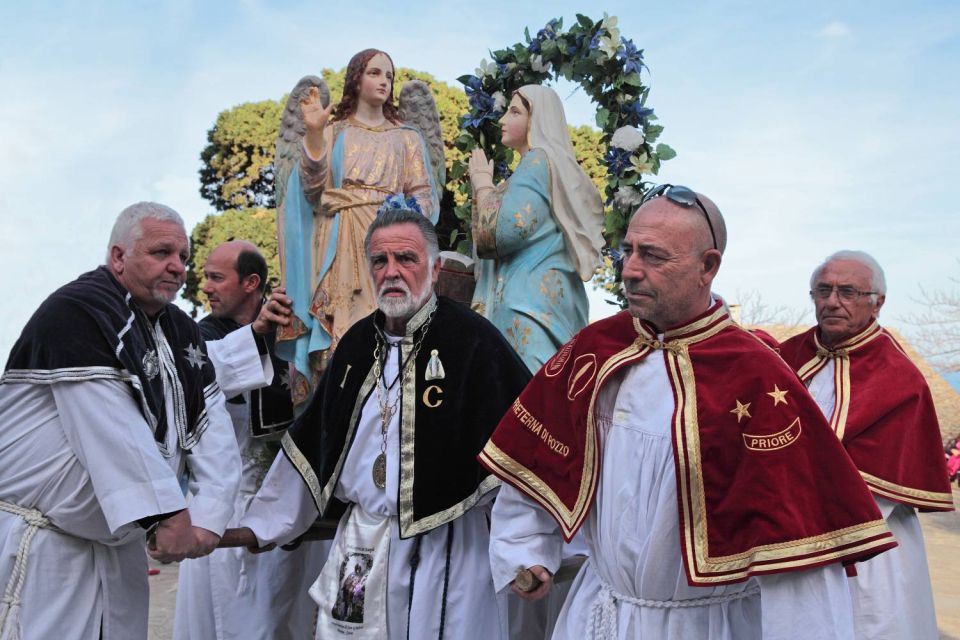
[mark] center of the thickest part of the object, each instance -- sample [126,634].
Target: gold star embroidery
[742,411]
[778,395]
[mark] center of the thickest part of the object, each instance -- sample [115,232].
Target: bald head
[700,236]
[670,260]
[236,246]
[235,280]
[716,219]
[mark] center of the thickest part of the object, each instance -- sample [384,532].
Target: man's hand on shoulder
[276,311]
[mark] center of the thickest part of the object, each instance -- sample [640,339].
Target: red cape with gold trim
[884,415]
[763,486]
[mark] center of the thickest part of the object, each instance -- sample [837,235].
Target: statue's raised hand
[315,115]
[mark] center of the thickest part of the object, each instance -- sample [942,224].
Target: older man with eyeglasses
[880,408]
[714,499]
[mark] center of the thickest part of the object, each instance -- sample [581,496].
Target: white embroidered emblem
[195,356]
[151,364]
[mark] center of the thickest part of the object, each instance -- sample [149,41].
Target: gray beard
[164,297]
[404,307]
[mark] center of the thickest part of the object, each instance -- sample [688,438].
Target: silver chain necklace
[388,409]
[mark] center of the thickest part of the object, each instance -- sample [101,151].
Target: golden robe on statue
[333,200]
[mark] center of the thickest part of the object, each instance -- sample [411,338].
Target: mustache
[393,284]
[634,288]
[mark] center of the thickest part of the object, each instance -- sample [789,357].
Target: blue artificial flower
[595,42]
[474,120]
[616,259]
[534,46]
[574,46]
[632,58]
[617,161]
[481,101]
[502,68]
[472,85]
[502,169]
[397,202]
[549,32]
[483,107]
[635,115]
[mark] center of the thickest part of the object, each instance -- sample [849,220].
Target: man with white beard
[388,444]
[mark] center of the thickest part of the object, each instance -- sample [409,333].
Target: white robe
[633,535]
[284,508]
[892,594]
[232,593]
[82,454]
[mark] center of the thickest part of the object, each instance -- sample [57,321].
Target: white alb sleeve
[104,427]
[283,508]
[214,466]
[522,535]
[240,365]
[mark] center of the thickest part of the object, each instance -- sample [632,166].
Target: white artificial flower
[609,45]
[537,64]
[641,164]
[499,101]
[626,198]
[486,69]
[610,24]
[628,138]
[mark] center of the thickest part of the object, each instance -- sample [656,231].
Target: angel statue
[335,164]
[538,234]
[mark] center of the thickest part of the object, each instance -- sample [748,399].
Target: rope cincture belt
[10,605]
[603,612]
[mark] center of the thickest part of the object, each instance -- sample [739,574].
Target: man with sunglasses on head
[714,499]
[879,407]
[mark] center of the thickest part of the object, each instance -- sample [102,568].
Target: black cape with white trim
[91,329]
[444,421]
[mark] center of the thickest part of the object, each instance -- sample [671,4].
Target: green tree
[237,168]
[258,225]
[589,148]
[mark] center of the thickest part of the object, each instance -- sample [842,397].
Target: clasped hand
[481,169]
[176,538]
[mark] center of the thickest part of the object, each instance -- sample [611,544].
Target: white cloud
[835,30]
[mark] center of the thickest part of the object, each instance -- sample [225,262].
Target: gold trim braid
[702,567]
[909,495]
[303,467]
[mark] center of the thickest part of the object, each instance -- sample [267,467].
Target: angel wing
[287,156]
[291,133]
[419,109]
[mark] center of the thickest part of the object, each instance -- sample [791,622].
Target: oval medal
[380,471]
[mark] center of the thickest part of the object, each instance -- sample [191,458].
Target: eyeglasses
[683,196]
[845,292]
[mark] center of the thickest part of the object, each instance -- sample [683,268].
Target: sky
[814,126]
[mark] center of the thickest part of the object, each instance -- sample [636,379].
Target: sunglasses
[683,196]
